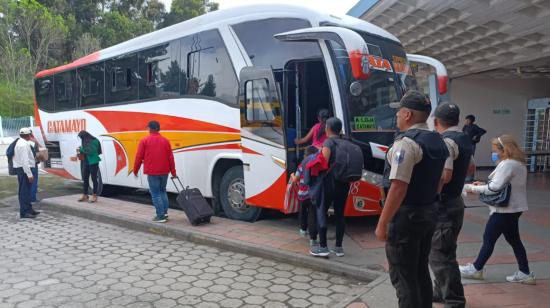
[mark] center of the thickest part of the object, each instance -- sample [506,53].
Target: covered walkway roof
[497,38]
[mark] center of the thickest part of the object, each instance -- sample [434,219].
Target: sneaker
[303,233]
[159,219]
[521,277]
[338,251]
[319,251]
[35,213]
[29,215]
[469,271]
[313,243]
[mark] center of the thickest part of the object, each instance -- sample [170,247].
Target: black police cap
[414,100]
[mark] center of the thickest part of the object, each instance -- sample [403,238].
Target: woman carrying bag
[506,195]
[89,153]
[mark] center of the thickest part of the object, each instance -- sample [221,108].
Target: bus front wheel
[232,197]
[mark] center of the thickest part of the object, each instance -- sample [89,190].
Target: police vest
[453,189]
[426,174]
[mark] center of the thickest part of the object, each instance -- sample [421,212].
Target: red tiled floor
[508,295]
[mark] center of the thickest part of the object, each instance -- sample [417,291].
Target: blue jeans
[34,187]
[507,224]
[24,192]
[157,187]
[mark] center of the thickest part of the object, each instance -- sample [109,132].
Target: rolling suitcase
[191,201]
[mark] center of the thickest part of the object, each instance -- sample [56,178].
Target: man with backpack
[345,165]
[414,165]
[23,160]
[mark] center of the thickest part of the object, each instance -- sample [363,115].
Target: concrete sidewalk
[365,257]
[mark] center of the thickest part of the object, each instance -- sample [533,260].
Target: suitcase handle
[181,184]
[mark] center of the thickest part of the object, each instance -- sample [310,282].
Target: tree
[29,35]
[182,10]
[86,45]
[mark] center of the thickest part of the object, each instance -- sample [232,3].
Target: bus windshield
[389,77]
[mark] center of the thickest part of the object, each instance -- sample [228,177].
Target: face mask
[494,157]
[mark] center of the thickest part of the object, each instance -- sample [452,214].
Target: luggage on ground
[191,201]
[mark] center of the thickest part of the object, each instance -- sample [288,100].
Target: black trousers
[88,170]
[447,282]
[407,249]
[24,192]
[308,218]
[335,193]
[507,224]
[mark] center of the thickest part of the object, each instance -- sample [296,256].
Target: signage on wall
[501,111]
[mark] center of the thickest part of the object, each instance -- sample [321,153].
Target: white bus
[231,90]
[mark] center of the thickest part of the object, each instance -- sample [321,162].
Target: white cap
[25,131]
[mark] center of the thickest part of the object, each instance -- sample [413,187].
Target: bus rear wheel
[232,196]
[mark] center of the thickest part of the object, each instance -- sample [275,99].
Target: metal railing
[9,127]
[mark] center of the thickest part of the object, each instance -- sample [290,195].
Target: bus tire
[232,198]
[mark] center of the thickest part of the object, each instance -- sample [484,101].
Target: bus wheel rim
[236,197]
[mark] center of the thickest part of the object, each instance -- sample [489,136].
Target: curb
[323,265]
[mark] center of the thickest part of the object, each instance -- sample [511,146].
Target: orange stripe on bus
[120,121]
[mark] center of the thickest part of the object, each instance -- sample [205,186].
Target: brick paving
[363,251]
[63,261]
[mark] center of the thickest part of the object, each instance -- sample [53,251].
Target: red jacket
[317,165]
[156,154]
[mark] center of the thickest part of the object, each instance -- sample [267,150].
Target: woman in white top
[503,220]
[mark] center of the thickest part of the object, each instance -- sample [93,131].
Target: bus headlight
[371,177]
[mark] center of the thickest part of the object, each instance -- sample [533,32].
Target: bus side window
[122,75]
[92,85]
[65,90]
[45,93]
[159,70]
[208,70]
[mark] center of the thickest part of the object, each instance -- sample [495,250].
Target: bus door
[262,138]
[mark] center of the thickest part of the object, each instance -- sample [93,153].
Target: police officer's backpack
[348,161]
[10,152]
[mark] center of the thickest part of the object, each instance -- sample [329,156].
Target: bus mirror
[355,88]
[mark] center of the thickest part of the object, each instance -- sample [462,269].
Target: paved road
[63,261]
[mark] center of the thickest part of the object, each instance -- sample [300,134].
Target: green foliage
[15,101]
[39,34]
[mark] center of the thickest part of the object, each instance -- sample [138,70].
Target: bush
[15,100]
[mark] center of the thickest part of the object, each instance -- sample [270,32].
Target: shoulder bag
[500,199]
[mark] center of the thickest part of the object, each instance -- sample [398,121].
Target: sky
[337,7]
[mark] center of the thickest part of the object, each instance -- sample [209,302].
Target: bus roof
[219,18]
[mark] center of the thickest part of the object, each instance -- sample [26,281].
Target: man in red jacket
[156,154]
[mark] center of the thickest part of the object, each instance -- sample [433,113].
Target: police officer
[414,167]
[447,284]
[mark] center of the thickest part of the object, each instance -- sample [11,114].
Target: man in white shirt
[23,161]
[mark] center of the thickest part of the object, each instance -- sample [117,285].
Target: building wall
[481,97]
